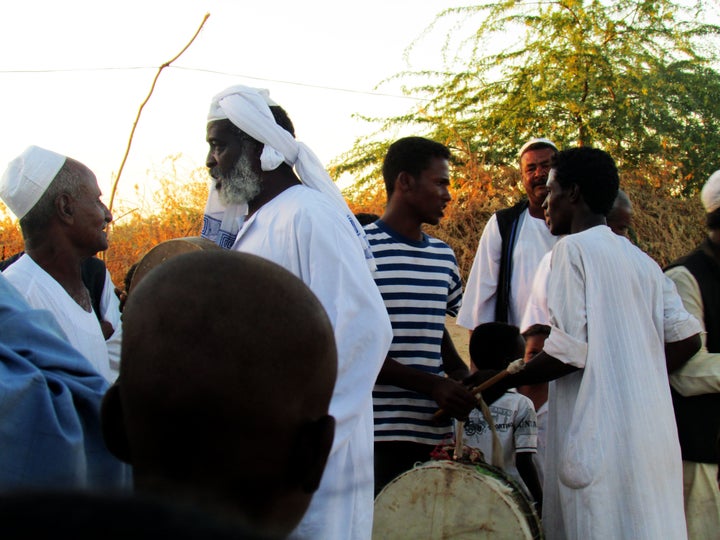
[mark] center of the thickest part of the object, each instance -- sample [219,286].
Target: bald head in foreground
[224,388]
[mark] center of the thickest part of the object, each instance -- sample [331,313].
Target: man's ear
[310,452]
[574,194]
[404,182]
[113,424]
[64,207]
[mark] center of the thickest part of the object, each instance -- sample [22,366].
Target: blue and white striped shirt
[420,283]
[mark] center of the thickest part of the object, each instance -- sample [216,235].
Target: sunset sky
[74,73]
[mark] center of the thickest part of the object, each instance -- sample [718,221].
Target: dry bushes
[664,226]
[178,213]
[11,241]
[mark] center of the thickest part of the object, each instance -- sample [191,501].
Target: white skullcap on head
[249,110]
[27,177]
[536,140]
[710,194]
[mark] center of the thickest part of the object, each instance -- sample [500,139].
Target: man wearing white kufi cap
[272,197]
[511,246]
[63,221]
[696,386]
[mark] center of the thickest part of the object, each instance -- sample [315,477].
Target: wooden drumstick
[514,367]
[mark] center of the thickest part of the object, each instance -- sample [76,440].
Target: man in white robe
[63,222]
[301,222]
[512,243]
[536,313]
[613,465]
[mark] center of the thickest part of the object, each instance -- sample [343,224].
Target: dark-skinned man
[613,466]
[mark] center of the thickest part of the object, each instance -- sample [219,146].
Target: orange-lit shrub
[665,226]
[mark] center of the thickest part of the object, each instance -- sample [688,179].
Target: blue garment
[420,284]
[50,395]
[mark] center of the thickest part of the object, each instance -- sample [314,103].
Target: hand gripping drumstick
[514,367]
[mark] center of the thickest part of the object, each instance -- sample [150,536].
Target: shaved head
[228,365]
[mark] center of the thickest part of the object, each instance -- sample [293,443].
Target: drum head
[167,250]
[451,500]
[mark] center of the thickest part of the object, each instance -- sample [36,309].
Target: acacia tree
[636,78]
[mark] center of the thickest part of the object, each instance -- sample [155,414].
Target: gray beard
[242,184]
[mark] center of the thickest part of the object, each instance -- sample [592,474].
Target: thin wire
[216,72]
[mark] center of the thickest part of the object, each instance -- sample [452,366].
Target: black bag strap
[93,276]
[508,221]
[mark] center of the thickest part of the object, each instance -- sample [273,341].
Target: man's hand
[453,397]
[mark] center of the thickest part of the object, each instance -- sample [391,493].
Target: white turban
[249,110]
[710,193]
[27,177]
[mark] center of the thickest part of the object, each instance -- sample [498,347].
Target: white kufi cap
[536,140]
[27,177]
[710,194]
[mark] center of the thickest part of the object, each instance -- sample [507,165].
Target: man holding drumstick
[420,282]
[613,466]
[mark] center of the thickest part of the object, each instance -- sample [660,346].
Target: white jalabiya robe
[613,467]
[533,241]
[81,327]
[536,310]
[304,231]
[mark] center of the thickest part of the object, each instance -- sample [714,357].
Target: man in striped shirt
[420,283]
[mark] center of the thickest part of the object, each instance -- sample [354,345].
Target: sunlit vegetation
[638,79]
[665,226]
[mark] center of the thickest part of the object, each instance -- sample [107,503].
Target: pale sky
[306,53]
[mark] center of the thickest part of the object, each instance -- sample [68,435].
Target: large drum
[451,500]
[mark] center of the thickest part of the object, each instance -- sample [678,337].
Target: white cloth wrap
[249,109]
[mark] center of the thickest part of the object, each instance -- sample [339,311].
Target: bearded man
[272,197]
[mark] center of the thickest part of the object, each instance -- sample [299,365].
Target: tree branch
[137,118]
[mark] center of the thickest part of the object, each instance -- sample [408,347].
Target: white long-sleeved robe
[533,241]
[302,230]
[613,467]
[81,327]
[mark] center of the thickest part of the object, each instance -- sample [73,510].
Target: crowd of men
[276,383]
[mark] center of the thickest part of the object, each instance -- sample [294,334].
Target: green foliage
[637,79]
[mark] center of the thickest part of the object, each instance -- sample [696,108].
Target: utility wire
[216,72]
[142,105]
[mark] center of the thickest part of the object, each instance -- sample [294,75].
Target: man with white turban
[272,197]
[63,222]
